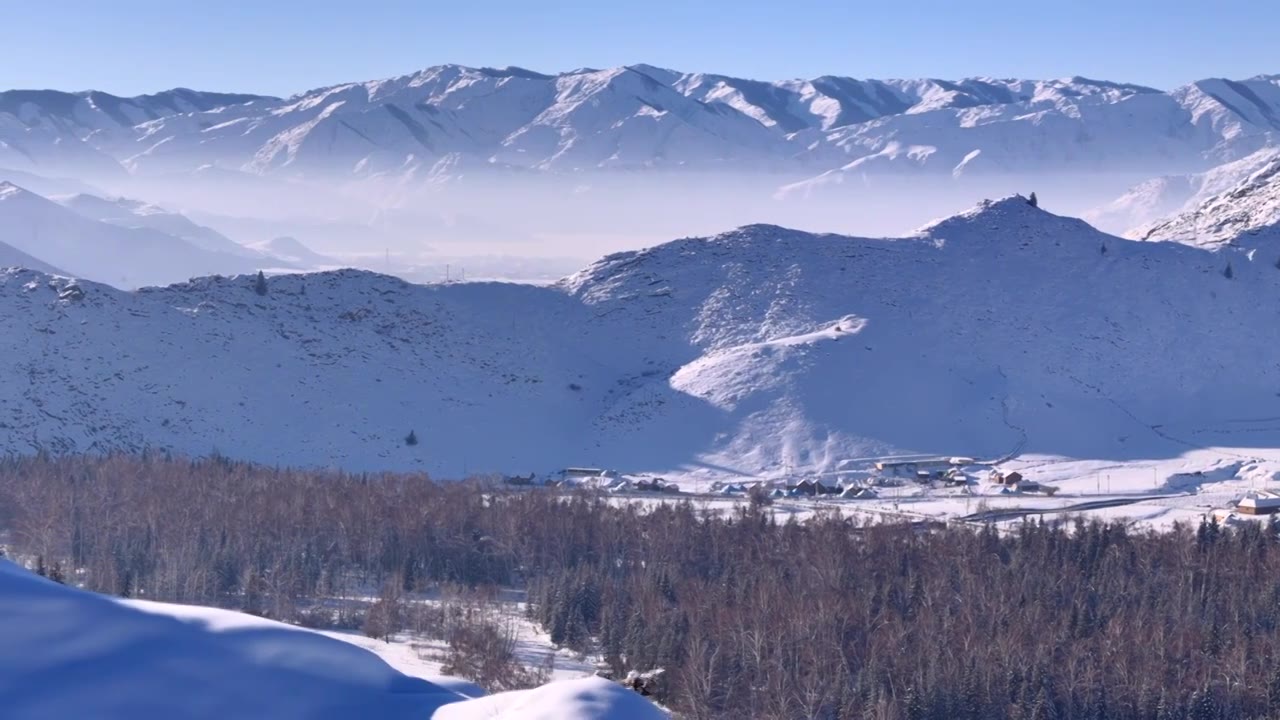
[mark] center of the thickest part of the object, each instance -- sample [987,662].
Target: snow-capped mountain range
[449,121]
[1002,329]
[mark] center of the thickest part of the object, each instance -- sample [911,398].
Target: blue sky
[286,46]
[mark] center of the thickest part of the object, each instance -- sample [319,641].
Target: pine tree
[1032,201]
[411,439]
[1203,706]
[971,703]
[260,285]
[913,706]
[1228,273]
[1273,690]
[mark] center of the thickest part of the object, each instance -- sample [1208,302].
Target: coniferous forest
[749,615]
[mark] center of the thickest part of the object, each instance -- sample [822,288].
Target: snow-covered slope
[1002,328]
[13,257]
[291,250]
[1247,208]
[1154,200]
[450,120]
[125,255]
[65,653]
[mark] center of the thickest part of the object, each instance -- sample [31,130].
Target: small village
[952,489]
[949,472]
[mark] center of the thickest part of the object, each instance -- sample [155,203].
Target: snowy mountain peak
[995,218]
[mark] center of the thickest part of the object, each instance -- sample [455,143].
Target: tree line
[749,615]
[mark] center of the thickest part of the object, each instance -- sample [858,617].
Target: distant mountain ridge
[121,242]
[450,119]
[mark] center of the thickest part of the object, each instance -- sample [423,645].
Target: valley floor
[422,656]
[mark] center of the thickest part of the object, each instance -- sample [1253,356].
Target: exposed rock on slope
[1250,207]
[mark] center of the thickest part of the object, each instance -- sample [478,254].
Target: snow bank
[591,697]
[66,653]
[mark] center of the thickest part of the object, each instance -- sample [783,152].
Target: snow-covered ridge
[1000,328]
[1247,208]
[1158,199]
[423,124]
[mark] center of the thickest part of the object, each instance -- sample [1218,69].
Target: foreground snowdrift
[65,653]
[590,697]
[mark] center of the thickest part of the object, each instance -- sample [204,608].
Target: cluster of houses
[803,488]
[597,479]
[851,483]
[1014,482]
[947,471]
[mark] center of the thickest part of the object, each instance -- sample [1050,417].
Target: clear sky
[286,46]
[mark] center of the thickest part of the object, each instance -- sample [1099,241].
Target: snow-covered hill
[130,213]
[291,250]
[73,654]
[1248,207]
[448,121]
[1004,328]
[121,244]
